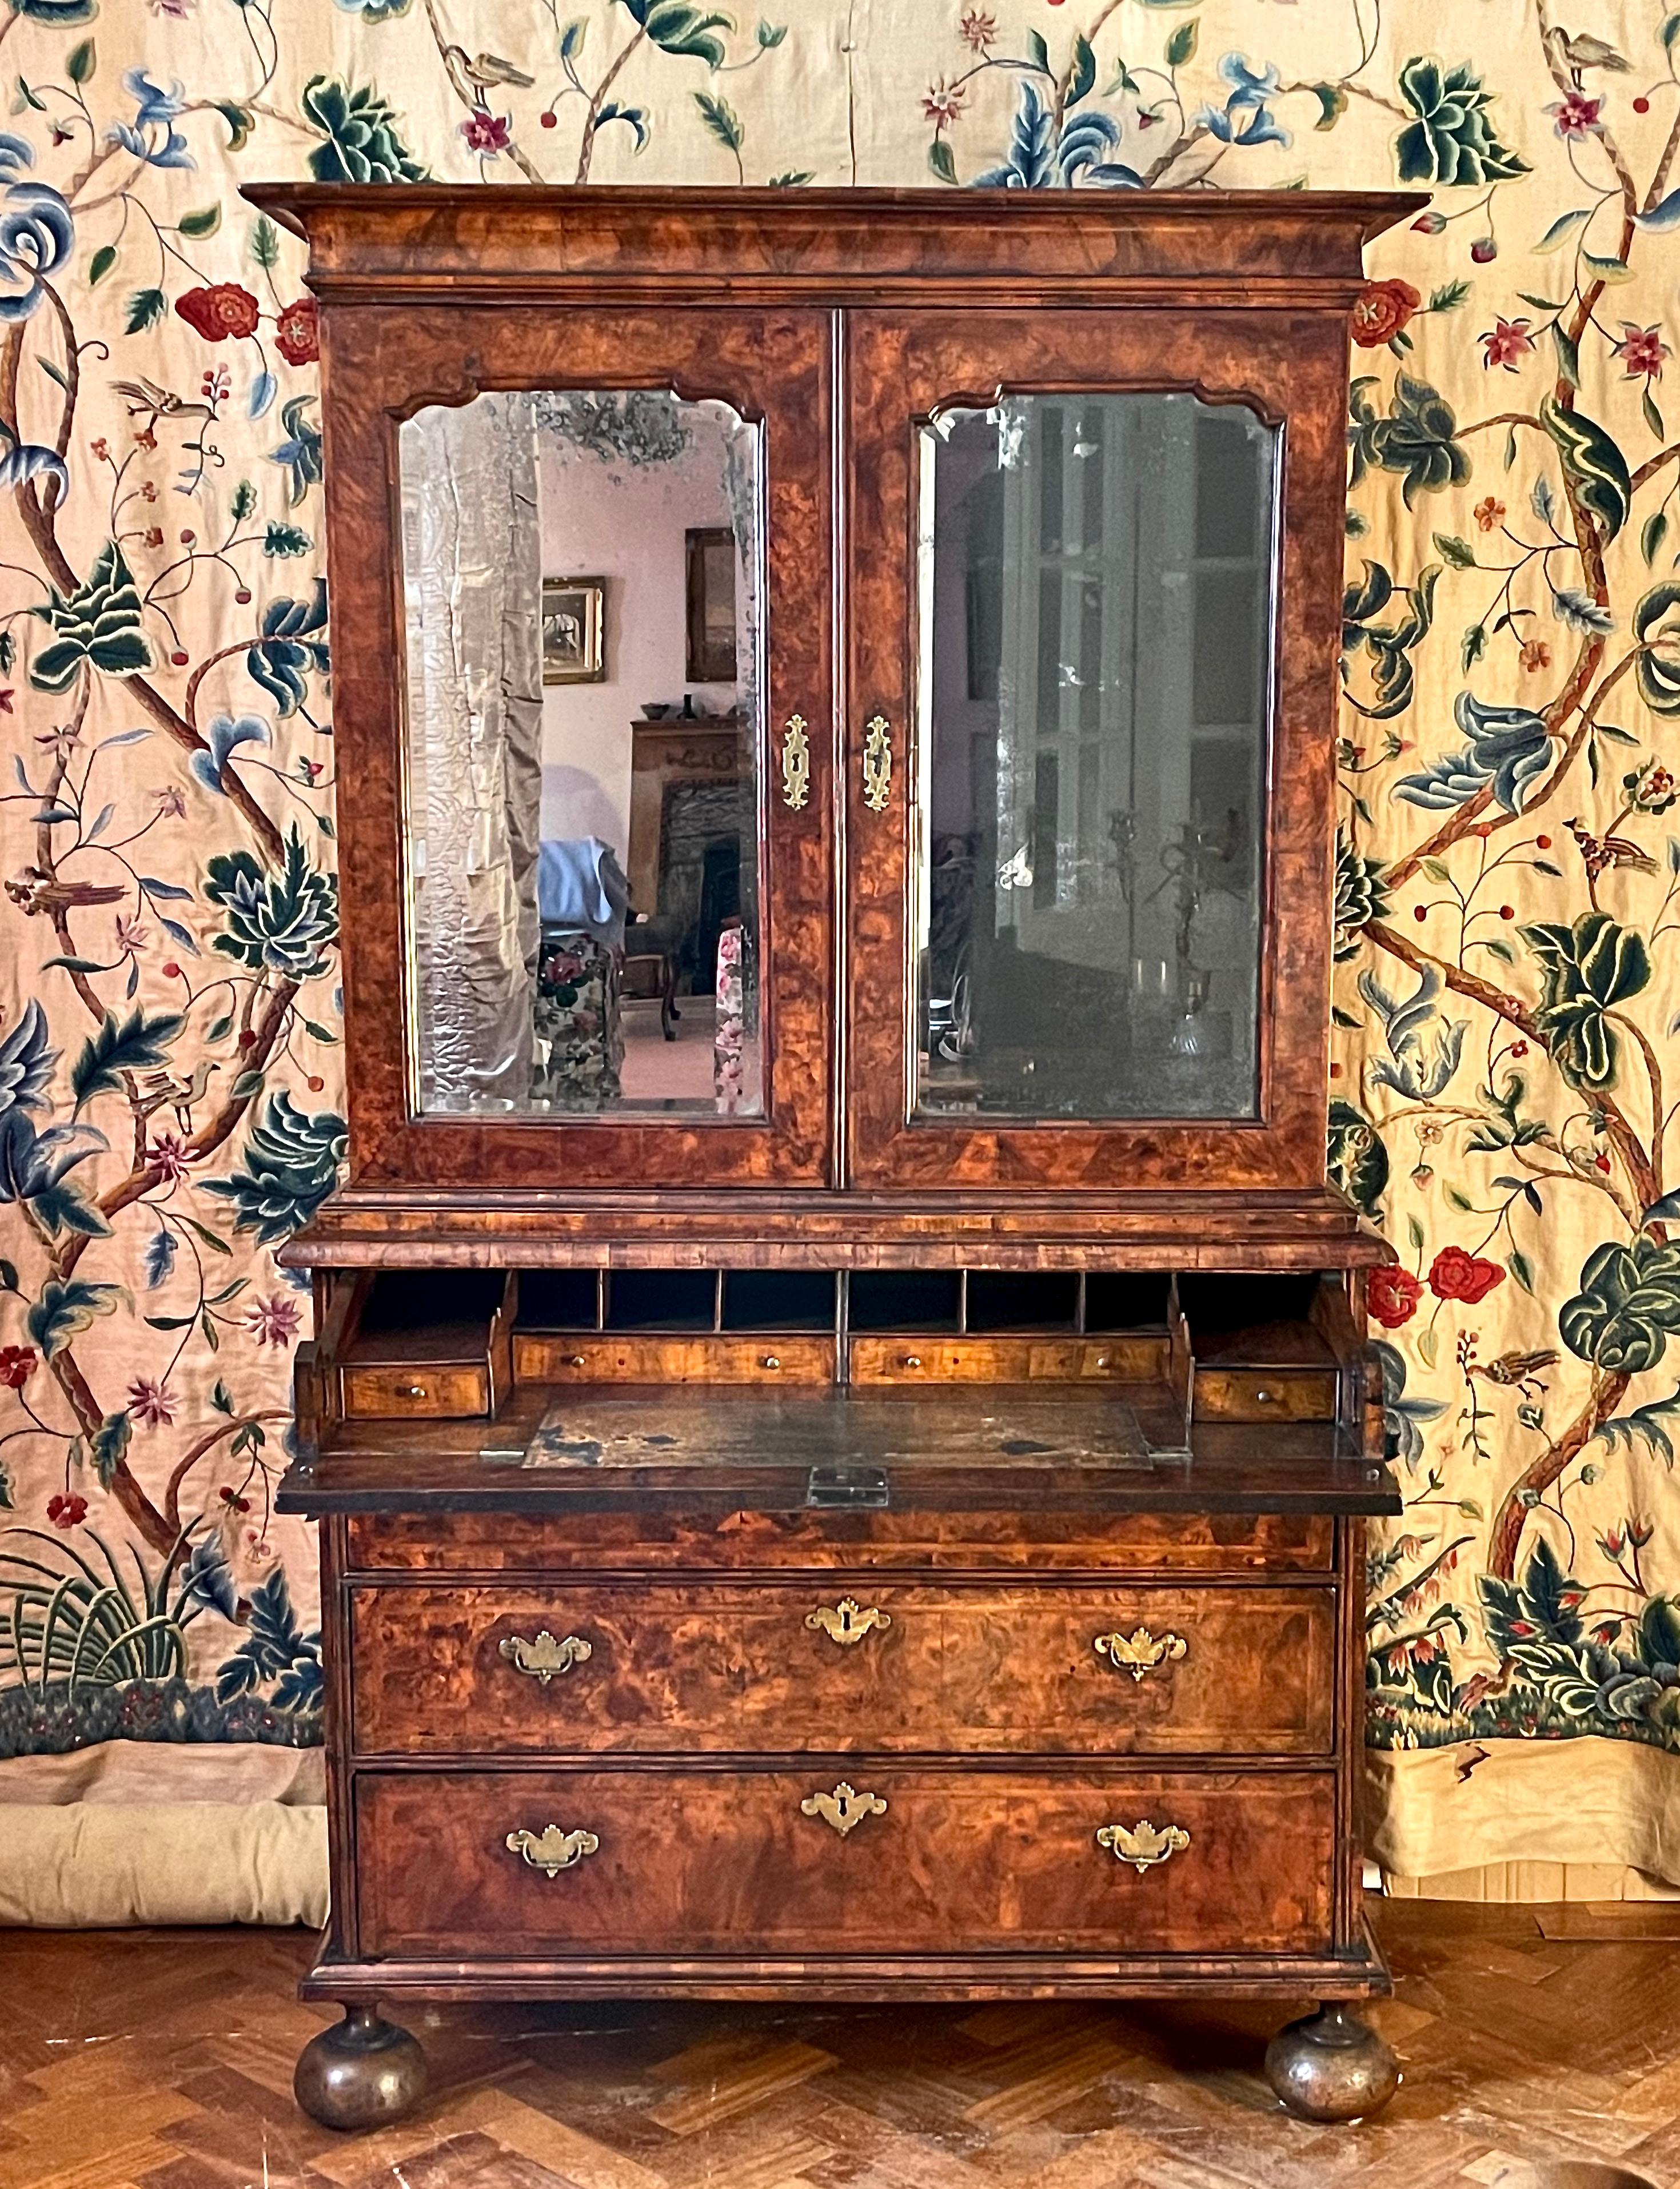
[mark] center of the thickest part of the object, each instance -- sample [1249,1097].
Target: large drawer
[604,1861]
[841,1665]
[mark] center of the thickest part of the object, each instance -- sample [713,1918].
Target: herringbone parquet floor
[163,2060]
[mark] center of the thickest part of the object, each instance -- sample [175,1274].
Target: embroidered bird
[157,402]
[1600,854]
[163,1087]
[1518,1371]
[1581,50]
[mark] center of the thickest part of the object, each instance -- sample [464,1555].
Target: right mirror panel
[1097,597]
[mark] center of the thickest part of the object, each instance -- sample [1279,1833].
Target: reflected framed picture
[574,631]
[711,605]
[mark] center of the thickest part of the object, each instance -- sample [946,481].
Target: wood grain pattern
[1265,1395]
[424,1391]
[908,1359]
[581,1358]
[705,1666]
[1508,2052]
[669,1540]
[727,1863]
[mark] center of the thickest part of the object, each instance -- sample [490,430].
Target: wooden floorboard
[163,2060]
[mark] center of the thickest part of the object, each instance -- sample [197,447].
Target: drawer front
[607,1360]
[661,1538]
[663,1862]
[1265,1395]
[843,1665]
[421,1391]
[1003,1360]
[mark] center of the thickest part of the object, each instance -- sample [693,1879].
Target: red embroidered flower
[1535,654]
[1642,350]
[218,312]
[1455,1276]
[978,29]
[66,1511]
[1507,340]
[1575,114]
[297,333]
[1489,513]
[486,133]
[1392,1295]
[1383,311]
[16,1362]
[943,102]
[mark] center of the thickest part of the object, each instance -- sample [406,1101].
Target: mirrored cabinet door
[610,604]
[1068,761]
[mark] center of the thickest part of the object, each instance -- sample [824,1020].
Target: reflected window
[582,780]
[1096,602]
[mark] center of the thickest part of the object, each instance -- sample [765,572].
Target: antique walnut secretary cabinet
[853,1486]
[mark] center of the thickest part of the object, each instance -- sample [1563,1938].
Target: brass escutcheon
[545,1657]
[844,1808]
[1143,1844]
[848,1622]
[877,762]
[1140,1651]
[551,1850]
[796,764]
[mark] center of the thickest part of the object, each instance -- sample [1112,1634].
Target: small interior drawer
[586,1358]
[1265,1395]
[900,1358]
[422,1390]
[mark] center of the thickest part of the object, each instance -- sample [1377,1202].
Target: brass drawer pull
[1143,1844]
[545,1657]
[771,1360]
[796,764]
[848,1622]
[412,1391]
[1140,1651]
[552,1850]
[844,1808]
[911,1360]
[877,763]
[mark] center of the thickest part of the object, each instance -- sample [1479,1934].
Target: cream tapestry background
[1509,893]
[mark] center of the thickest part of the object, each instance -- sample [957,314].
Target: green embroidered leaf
[146,307]
[1594,466]
[99,624]
[205,221]
[1657,672]
[721,119]
[65,1309]
[942,160]
[135,1044]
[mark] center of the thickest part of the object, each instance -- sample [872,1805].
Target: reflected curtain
[472,564]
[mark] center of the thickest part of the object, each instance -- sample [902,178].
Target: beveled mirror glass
[582,819]
[1094,689]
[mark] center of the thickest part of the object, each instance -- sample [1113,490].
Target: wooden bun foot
[363,2072]
[1331,2066]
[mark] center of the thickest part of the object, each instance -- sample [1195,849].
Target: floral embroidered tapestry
[1509,894]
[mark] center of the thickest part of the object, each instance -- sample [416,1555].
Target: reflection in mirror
[582,814]
[1096,583]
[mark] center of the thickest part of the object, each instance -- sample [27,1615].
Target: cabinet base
[1331,2066]
[363,2072]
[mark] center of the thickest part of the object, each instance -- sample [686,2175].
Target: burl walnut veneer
[905,1633]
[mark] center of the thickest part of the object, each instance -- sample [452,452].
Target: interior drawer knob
[771,1360]
[544,1658]
[552,1850]
[912,1361]
[845,1808]
[412,1391]
[1140,1651]
[1143,1844]
[848,1622]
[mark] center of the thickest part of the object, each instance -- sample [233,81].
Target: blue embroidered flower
[154,109]
[1250,88]
[36,236]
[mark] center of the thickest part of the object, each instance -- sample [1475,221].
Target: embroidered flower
[66,1511]
[1535,654]
[152,1401]
[1489,513]
[487,133]
[1642,351]
[168,1153]
[218,312]
[1381,311]
[943,102]
[275,1321]
[1454,1275]
[17,1363]
[172,802]
[1508,341]
[297,333]
[1391,1294]
[1575,115]
[978,29]
[131,937]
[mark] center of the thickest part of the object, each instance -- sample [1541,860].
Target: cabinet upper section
[390,242]
[836,688]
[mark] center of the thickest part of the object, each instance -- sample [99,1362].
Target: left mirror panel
[583,596]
